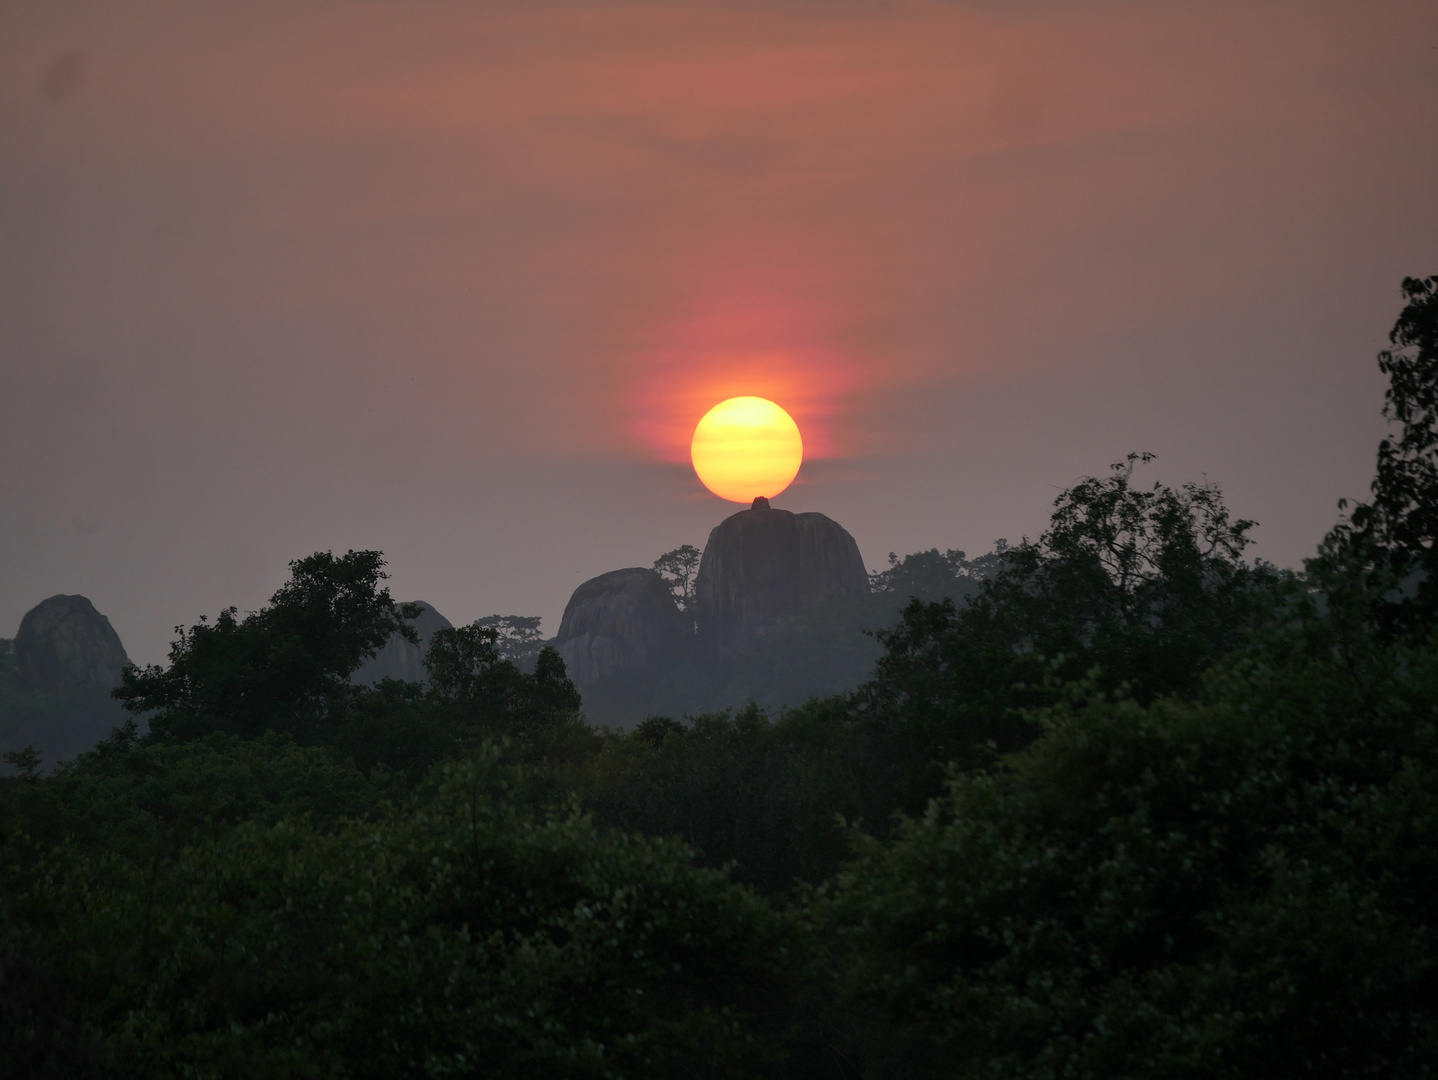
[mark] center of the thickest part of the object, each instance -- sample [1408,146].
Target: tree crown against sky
[1391,541]
[1141,586]
[679,568]
[516,637]
[286,665]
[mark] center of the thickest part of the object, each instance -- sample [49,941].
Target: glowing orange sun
[746,447]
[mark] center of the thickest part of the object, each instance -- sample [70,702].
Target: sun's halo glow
[746,447]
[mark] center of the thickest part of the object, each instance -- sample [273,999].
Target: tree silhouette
[285,667]
[1390,545]
[679,568]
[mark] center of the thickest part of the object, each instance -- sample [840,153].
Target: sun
[746,447]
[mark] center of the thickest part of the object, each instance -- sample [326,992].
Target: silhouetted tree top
[283,667]
[935,574]
[1392,541]
[1145,586]
[678,569]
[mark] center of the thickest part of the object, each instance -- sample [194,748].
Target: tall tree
[1390,545]
[285,667]
[679,568]
[1145,586]
[470,675]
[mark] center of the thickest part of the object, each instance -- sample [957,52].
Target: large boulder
[399,659]
[620,621]
[64,644]
[763,567]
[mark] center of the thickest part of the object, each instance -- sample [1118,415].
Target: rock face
[65,644]
[622,620]
[399,659]
[763,566]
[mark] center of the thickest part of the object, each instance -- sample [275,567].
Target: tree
[1238,885]
[470,675]
[679,568]
[935,575]
[465,664]
[516,637]
[25,762]
[1389,546]
[1148,585]
[284,667]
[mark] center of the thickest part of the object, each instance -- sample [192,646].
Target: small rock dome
[65,644]
[621,620]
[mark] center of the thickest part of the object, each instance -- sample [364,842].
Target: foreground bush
[460,935]
[1241,886]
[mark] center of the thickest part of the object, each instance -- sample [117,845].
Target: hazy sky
[455,280]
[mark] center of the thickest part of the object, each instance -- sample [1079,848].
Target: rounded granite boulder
[763,566]
[619,621]
[64,644]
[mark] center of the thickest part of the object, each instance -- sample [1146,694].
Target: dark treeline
[1120,803]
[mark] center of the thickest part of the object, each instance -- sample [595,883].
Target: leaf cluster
[1387,549]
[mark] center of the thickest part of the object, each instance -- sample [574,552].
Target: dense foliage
[458,932]
[1387,549]
[284,667]
[1148,586]
[1238,885]
[1112,803]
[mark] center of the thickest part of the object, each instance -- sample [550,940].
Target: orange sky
[456,279]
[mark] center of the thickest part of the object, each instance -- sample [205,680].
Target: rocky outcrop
[762,567]
[622,620]
[399,659]
[64,644]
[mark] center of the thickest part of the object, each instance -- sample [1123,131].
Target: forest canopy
[1116,801]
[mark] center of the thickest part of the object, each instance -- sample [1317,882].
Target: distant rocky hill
[65,644]
[399,659]
[781,603]
[55,679]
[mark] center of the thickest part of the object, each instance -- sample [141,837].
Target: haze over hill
[776,609]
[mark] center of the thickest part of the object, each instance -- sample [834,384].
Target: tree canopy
[284,667]
[1142,586]
[679,568]
[1391,542]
